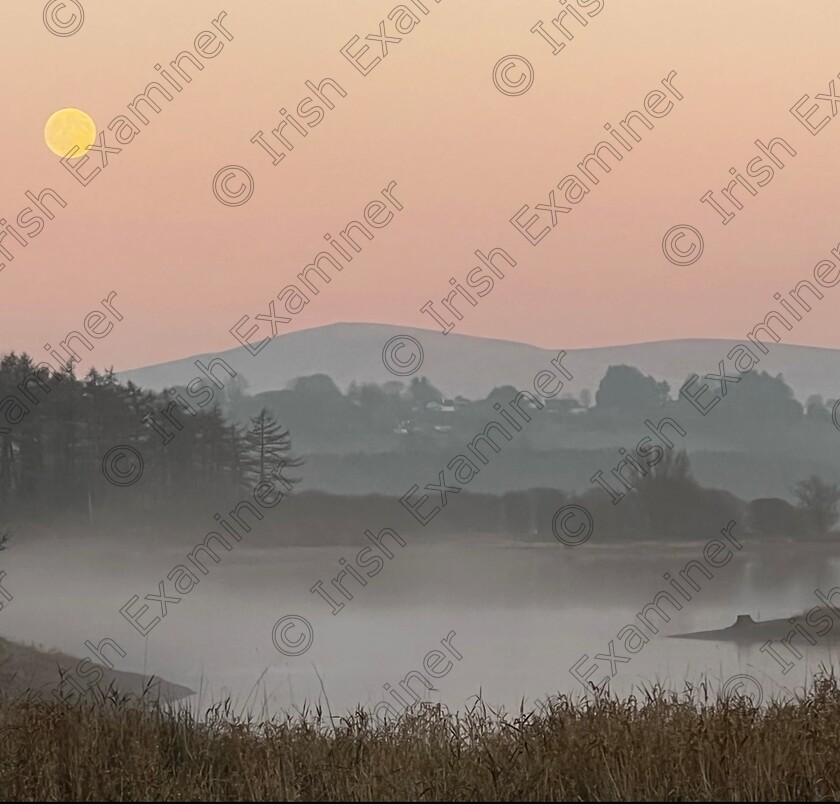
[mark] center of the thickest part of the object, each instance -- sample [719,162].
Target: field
[655,746]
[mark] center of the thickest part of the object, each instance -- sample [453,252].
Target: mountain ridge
[472,365]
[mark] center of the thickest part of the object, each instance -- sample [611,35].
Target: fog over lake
[522,616]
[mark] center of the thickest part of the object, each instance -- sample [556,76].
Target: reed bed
[654,746]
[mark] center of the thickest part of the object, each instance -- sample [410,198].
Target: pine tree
[267,444]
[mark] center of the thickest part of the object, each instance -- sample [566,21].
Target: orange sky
[465,158]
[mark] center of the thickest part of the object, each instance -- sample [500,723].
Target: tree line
[56,428]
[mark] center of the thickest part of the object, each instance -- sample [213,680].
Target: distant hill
[473,366]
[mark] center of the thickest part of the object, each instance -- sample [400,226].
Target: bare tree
[820,501]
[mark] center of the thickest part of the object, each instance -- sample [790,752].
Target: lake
[522,616]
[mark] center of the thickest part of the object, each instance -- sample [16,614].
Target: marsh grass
[656,745]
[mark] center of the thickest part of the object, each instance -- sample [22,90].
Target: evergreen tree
[266,445]
[56,428]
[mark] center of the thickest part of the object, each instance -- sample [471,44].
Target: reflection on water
[521,617]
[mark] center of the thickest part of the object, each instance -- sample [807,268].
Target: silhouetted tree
[266,445]
[56,430]
[816,410]
[770,397]
[626,388]
[667,494]
[502,393]
[317,385]
[820,501]
[423,392]
[393,387]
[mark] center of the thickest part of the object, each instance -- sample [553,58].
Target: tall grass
[655,746]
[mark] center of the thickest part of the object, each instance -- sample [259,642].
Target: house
[437,407]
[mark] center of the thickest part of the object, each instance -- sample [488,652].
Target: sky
[465,156]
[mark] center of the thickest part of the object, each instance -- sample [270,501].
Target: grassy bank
[652,747]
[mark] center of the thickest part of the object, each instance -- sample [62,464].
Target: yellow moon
[67,128]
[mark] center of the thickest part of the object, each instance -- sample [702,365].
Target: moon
[67,128]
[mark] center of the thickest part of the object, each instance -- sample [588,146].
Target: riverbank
[34,671]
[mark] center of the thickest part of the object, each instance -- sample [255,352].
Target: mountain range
[472,366]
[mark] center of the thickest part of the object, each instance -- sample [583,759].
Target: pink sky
[465,158]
